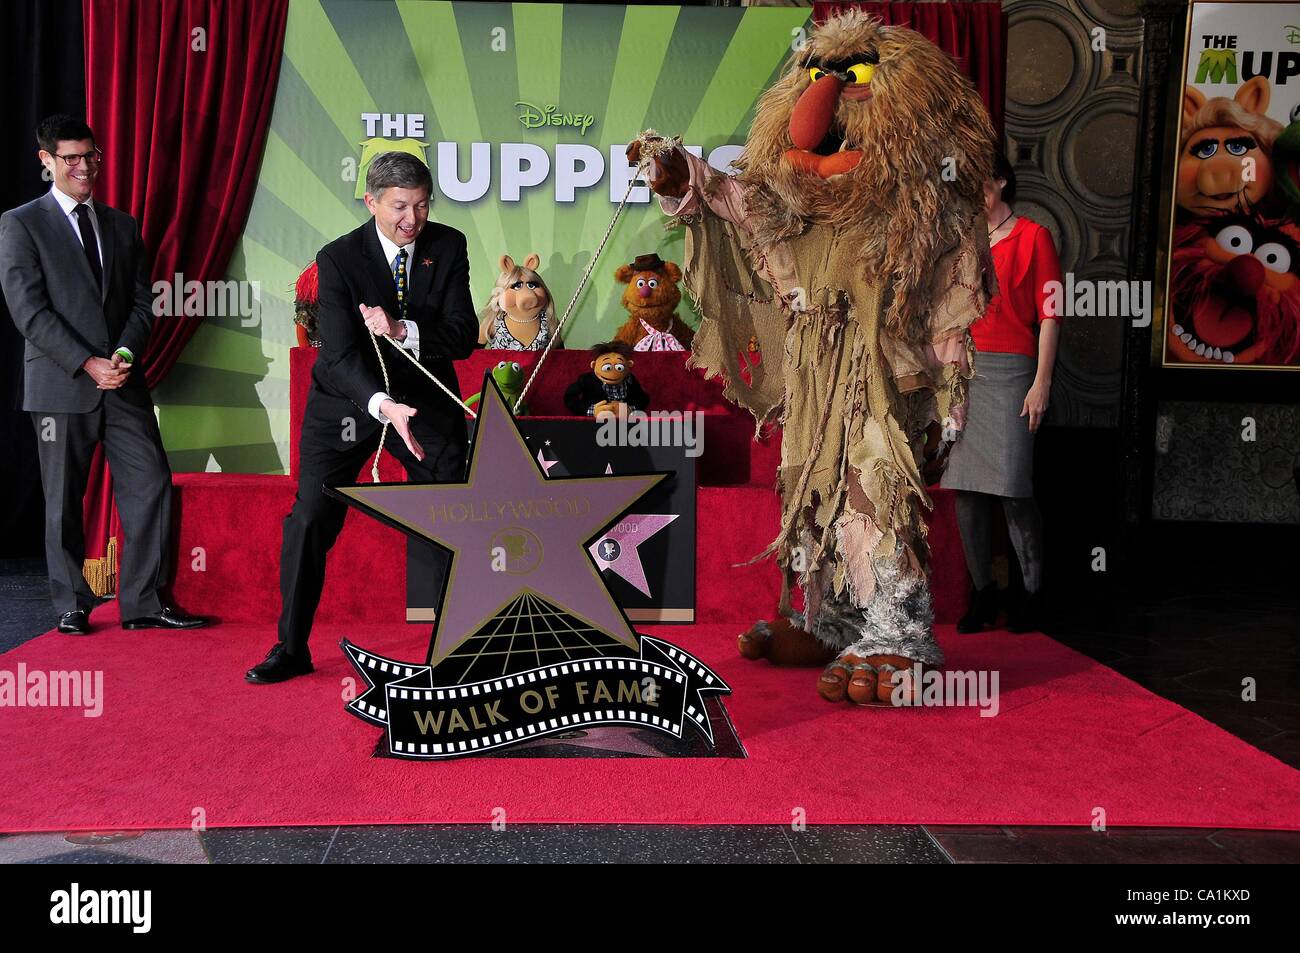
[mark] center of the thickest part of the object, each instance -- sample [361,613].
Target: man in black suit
[76,279]
[397,274]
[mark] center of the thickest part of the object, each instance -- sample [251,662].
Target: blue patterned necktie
[399,278]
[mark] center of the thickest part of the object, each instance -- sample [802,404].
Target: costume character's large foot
[867,679]
[782,643]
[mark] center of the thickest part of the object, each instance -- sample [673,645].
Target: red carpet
[180,731]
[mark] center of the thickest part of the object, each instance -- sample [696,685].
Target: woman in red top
[992,463]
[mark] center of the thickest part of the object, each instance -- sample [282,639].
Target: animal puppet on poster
[609,387]
[1224,156]
[651,298]
[520,313]
[1235,291]
[852,248]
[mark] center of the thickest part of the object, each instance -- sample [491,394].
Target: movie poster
[1233,293]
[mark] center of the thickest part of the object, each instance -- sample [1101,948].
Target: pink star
[627,535]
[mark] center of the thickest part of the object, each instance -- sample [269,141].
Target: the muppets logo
[468,171]
[535,117]
[1219,60]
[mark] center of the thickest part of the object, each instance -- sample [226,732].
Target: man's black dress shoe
[279,666]
[168,618]
[74,622]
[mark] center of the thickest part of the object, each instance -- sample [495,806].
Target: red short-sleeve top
[1026,264]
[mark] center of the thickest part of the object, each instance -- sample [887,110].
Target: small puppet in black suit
[609,384]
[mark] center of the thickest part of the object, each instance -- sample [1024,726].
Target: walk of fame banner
[528,639]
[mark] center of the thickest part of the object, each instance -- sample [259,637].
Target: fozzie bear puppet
[852,242]
[651,299]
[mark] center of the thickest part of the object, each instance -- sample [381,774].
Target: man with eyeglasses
[76,278]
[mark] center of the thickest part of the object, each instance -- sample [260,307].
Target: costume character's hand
[669,173]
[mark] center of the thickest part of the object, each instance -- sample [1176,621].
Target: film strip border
[664,690]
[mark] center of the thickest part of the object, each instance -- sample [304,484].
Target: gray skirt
[995,453]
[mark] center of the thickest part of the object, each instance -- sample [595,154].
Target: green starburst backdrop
[689,71]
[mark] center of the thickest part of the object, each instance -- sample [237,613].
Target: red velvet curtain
[974,34]
[179,94]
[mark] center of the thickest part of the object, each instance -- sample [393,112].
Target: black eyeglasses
[96,156]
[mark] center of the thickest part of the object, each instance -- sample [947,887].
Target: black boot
[983,609]
[1025,614]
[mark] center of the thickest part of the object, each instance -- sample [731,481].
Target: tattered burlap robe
[853,401]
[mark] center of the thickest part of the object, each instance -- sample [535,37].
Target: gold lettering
[629,691]
[602,693]
[531,702]
[427,723]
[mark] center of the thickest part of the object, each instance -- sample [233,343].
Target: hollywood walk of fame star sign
[521,576]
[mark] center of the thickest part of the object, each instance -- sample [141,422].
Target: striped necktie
[399,278]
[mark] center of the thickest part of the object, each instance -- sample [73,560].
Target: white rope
[649,152]
[383,368]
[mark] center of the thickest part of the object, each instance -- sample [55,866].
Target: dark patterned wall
[1071,131]
[1206,469]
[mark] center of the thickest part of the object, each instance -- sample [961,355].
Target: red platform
[230,524]
[235,520]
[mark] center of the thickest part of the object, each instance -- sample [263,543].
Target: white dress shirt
[69,206]
[412,342]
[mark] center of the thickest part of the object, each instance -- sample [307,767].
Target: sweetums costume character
[519,315]
[609,386]
[651,298]
[852,244]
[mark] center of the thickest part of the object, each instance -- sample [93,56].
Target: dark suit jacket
[52,297]
[352,271]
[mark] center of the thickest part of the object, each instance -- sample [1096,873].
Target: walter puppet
[609,386]
[852,242]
